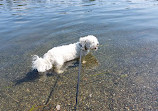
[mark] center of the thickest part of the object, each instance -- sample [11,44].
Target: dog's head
[89,42]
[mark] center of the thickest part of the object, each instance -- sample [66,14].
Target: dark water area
[121,76]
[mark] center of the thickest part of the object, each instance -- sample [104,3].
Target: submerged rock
[58,107]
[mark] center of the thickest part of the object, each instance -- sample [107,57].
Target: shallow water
[121,75]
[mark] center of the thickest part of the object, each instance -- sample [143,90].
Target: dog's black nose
[96,48]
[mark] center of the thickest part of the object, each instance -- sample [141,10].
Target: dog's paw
[83,62]
[59,71]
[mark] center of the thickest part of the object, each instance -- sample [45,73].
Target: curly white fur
[56,56]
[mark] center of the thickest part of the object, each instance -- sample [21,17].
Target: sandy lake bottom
[122,75]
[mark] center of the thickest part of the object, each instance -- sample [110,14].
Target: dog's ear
[83,43]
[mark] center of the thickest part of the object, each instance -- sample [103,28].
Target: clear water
[121,75]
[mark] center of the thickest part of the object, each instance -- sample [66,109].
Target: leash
[78,82]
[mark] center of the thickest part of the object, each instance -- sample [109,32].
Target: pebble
[90,95]
[58,107]
[27,90]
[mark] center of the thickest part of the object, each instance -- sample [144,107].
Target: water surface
[121,75]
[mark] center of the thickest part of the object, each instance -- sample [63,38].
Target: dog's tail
[40,64]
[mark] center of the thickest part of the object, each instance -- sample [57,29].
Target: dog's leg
[58,67]
[83,60]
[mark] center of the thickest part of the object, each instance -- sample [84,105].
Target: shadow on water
[30,76]
[34,74]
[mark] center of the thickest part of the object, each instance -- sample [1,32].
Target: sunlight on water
[121,75]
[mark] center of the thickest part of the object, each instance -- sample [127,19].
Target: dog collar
[83,48]
[80,45]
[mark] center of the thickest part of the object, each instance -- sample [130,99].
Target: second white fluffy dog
[57,56]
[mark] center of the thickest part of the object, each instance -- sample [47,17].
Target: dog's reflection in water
[89,62]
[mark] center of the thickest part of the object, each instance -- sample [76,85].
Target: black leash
[78,82]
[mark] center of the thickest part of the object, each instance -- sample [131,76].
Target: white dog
[57,56]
